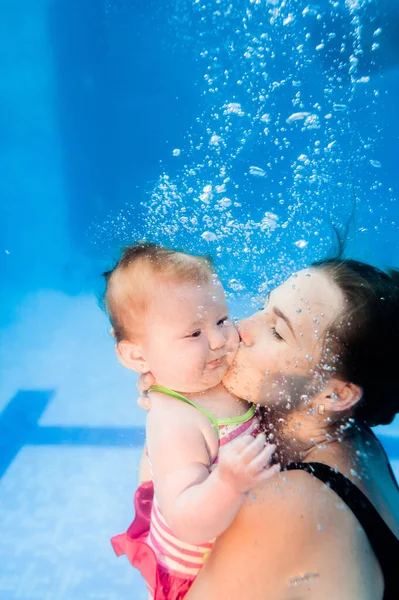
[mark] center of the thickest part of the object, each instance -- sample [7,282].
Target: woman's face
[282,344]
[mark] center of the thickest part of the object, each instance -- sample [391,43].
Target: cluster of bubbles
[283,146]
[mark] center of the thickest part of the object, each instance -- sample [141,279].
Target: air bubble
[289,19]
[353,62]
[257,171]
[234,108]
[209,236]
[225,202]
[340,107]
[235,285]
[298,116]
[312,122]
[215,140]
[301,244]
[310,11]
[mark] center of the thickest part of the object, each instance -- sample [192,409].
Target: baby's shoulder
[169,409]
[170,418]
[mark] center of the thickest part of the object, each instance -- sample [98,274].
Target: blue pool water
[122,119]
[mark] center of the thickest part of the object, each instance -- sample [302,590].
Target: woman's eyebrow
[278,313]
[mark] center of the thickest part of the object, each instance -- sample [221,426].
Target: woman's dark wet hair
[364,340]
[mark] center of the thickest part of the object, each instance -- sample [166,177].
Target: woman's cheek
[268,357]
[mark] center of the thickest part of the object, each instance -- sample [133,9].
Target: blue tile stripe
[19,427]
[18,421]
[88,436]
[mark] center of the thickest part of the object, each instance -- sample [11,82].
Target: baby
[169,316]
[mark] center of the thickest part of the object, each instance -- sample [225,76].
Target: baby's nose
[217,339]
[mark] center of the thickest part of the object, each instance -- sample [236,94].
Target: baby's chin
[218,375]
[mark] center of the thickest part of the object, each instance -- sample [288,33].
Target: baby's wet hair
[131,283]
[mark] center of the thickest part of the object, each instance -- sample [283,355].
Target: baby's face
[190,340]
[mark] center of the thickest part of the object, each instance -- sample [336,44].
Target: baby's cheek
[231,356]
[233,338]
[195,363]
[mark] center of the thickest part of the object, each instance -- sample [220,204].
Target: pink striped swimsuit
[168,564]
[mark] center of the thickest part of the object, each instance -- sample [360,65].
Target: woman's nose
[245,328]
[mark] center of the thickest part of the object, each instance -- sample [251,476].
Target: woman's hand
[144,383]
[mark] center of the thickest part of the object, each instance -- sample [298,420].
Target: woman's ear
[340,395]
[131,356]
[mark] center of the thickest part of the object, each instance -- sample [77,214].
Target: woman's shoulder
[306,517]
[291,526]
[287,505]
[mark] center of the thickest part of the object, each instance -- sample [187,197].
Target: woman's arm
[276,548]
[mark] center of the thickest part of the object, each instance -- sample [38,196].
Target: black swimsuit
[384,543]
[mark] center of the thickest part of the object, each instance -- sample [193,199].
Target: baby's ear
[130,355]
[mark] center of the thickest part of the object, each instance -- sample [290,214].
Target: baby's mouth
[217,362]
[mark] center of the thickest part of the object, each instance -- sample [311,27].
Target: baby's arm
[199,505]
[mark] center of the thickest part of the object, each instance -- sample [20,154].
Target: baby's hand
[245,462]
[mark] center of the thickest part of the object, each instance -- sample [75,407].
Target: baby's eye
[223,321]
[196,334]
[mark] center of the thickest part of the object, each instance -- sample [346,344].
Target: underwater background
[247,130]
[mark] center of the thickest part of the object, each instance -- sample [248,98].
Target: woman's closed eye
[276,335]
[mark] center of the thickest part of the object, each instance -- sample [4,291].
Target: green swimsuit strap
[168,392]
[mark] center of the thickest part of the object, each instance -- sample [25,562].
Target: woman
[321,359]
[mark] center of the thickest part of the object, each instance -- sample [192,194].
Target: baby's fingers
[144,382]
[263,459]
[144,402]
[267,474]
[254,448]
